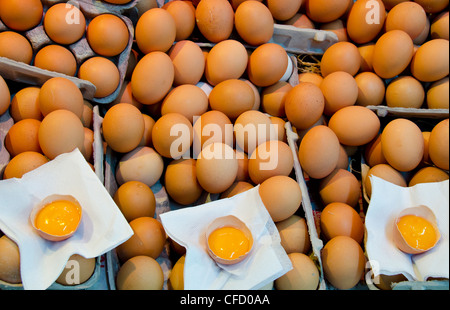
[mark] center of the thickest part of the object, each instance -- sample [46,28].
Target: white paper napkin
[386,202]
[102,227]
[267,260]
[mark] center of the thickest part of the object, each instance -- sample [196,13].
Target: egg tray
[21,72]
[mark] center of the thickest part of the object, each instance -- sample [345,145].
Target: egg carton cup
[21,72]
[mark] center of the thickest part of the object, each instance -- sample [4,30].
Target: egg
[176,277]
[432,6]
[267,64]
[338,28]
[437,95]
[22,137]
[9,261]
[438,145]
[21,15]
[405,92]
[278,124]
[271,158]
[303,276]
[439,27]
[163,34]
[140,273]
[392,54]
[304,105]
[217,167]
[78,270]
[343,262]
[226,60]
[148,239]
[323,11]
[5,96]
[300,20]
[181,183]
[242,174]
[311,77]
[254,22]
[215,19]
[402,144]
[107,35]
[257,101]
[149,122]
[101,72]
[429,174]
[343,161]
[60,93]
[391,3]
[23,163]
[61,131]
[340,186]
[188,62]
[423,36]
[319,151]
[142,164]
[359,29]
[123,127]
[135,199]
[64,23]
[371,89]
[426,139]
[284,9]
[407,16]
[355,125]
[373,153]
[16,47]
[183,13]
[25,104]
[152,78]
[294,234]
[56,58]
[252,128]
[340,219]
[273,98]
[340,90]
[366,52]
[385,172]
[430,62]
[88,146]
[234,91]
[341,56]
[188,100]
[235,189]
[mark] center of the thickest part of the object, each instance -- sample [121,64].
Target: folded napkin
[266,262]
[387,201]
[102,227]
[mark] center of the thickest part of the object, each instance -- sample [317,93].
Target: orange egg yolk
[58,218]
[228,242]
[417,232]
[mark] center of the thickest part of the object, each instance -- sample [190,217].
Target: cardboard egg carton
[38,38]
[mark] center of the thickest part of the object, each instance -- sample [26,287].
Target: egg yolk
[58,218]
[417,232]
[228,242]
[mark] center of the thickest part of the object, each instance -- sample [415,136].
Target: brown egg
[428,175]
[183,13]
[355,125]
[140,273]
[303,276]
[267,64]
[310,77]
[149,122]
[423,36]
[294,235]
[25,104]
[123,127]
[188,100]
[402,144]
[300,20]
[23,163]
[242,174]
[271,158]
[152,78]
[430,63]
[235,189]
[323,11]
[385,172]
[273,98]
[16,47]
[438,145]
[340,219]
[438,95]
[343,262]
[135,199]
[439,27]
[279,127]
[163,31]
[226,60]
[426,139]
[64,23]
[254,22]
[405,92]
[233,90]
[251,129]
[371,89]
[9,261]
[373,153]
[217,167]
[283,9]
[5,96]
[61,131]
[181,183]
[432,6]
[142,164]
[366,52]
[407,16]
[341,56]
[304,105]
[126,96]
[343,161]
[56,58]
[257,102]
[340,186]
[60,93]
[393,53]
[148,239]
[101,72]
[365,20]
[391,3]
[281,196]
[85,267]
[340,90]
[319,152]
[88,146]
[188,61]
[23,136]
[215,19]
[21,15]
[107,35]
[338,28]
